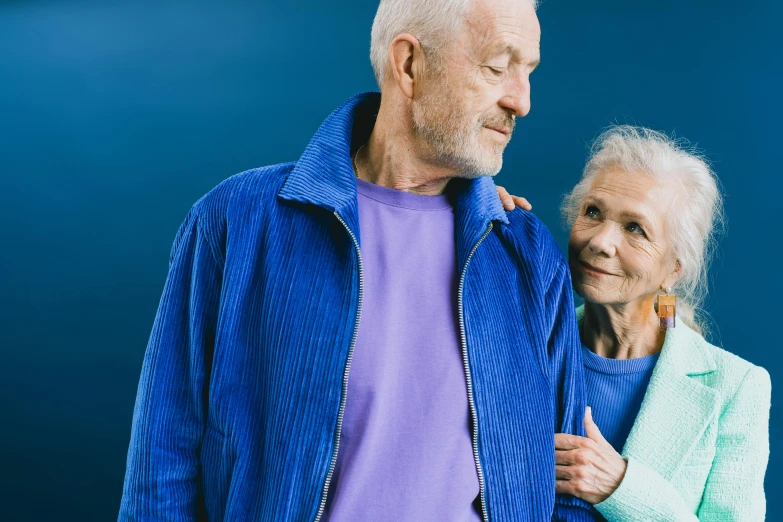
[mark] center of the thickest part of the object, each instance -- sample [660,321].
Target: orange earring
[666,308]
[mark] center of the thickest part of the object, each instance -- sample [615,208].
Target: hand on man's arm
[510,202]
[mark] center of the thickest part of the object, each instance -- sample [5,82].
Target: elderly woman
[677,429]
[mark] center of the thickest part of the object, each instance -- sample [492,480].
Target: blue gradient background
[116,116]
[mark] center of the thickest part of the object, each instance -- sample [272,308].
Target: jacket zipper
[466,363]
[344,392]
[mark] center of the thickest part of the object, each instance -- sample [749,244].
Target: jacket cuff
[634,498]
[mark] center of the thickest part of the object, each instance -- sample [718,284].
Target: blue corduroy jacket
[242,388]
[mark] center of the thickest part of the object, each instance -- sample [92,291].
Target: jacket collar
[677,407]
[324,175]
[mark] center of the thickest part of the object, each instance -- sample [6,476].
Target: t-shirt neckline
[402,199]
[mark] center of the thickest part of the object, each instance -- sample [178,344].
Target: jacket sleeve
[162,475]
[567,379]
[735,486]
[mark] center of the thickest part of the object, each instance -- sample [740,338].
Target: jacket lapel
[677,408]
[323,175]
[476,205]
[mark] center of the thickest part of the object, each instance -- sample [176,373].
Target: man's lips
[502,130]
[592,268]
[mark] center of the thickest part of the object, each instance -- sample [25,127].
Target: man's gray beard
[452,138]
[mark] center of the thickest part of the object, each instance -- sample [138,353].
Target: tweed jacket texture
[699,447]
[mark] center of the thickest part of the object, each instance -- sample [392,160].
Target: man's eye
[592,212]
[496,71]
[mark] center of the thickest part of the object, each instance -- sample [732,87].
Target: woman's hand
[510,201]
[587,467]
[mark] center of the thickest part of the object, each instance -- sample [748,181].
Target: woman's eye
[634,228]
[495,70]
[591,212]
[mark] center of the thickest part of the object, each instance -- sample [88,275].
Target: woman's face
[618,250]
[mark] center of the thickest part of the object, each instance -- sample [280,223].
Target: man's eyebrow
[512,51]
[501,48]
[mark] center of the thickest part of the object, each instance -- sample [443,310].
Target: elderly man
[366,334]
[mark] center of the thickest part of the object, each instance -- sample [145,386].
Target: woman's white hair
[695,215]
[433,22]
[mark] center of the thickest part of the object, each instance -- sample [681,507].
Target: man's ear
[406,57]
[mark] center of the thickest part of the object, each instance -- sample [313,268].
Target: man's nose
[517,97]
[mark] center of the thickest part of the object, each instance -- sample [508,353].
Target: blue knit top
[615,389]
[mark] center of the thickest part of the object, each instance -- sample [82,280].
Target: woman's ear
[674,275]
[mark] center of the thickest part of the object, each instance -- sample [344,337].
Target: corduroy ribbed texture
[241,384]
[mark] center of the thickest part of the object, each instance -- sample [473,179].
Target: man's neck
[391,158]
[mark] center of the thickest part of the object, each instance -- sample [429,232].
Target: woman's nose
[604,240]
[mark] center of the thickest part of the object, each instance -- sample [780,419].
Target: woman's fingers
[509,201]
[566,487]
[565,441]
[573,480]
[522,202]
[505,198]
[591,430]
[566,472]
[590,469]
[566,457]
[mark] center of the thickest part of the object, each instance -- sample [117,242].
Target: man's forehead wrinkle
[493,34]
[484,20]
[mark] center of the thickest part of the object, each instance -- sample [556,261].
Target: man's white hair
[433,22]
[695,214]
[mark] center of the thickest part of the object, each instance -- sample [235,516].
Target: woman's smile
[593,270]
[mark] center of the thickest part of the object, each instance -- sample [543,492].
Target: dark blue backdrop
[116,116]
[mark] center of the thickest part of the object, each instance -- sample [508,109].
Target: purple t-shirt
[405,449]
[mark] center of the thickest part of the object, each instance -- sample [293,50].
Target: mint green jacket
[699,447]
